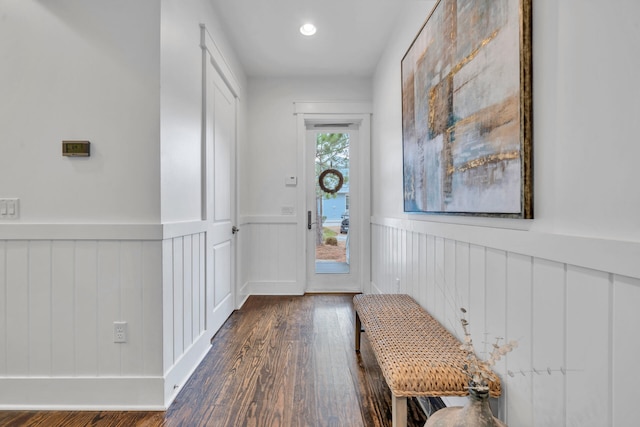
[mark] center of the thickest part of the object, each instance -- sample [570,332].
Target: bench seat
[416,354]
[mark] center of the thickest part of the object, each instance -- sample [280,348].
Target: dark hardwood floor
[279,361]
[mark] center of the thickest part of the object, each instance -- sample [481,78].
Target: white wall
[85,71]
[586,108]
[585,104]
[270,154]
[272,145]
[181,113]
[86,250]
[566,283]
[93,245]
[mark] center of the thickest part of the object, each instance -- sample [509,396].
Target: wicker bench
[416,354]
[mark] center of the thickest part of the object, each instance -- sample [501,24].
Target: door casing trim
[314,112]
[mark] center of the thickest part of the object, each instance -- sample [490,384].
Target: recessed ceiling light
[308,29]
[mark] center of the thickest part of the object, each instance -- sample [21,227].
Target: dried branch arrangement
[480,371]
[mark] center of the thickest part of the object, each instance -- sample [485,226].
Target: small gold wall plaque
[76,148]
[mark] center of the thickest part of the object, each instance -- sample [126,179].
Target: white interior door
[220,187]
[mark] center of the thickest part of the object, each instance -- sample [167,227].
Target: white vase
[476,413]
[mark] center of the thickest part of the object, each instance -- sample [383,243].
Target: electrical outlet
[119,331]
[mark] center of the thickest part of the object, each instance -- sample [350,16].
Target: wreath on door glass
[331,181]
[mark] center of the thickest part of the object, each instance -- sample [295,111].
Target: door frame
[348,281]
[356,112]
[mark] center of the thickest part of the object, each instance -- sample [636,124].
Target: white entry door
[220,190]
[333,202]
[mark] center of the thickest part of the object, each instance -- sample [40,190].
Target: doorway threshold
[332,267]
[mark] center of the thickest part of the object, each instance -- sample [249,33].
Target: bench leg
[398,411]
[358,327]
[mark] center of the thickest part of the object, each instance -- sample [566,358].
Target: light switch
[288,210]
[9,208]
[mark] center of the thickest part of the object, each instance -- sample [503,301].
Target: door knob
[235,230]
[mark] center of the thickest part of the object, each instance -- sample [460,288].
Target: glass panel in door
[332,203]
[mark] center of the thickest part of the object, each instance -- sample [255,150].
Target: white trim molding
[80,232]
[218,60]
[613,256]
[336,107]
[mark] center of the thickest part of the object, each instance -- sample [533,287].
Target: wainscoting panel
[185,336]
[86,274]
[588,346]
[59,299]
[625,321]
[268,268]
[575,325]
[184,294]
[548,332]
[518,324]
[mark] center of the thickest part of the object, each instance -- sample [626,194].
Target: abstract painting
[466,111]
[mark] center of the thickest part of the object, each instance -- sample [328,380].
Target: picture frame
[467,111]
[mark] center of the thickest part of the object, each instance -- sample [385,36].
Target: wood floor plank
[280,361]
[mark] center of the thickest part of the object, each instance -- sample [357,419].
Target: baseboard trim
[343,290]
[82,394]
[182,370]
[272,288]
[103,393]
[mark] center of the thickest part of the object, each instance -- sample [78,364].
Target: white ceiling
[350,39]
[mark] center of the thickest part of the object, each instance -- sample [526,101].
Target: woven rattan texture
[417,355]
